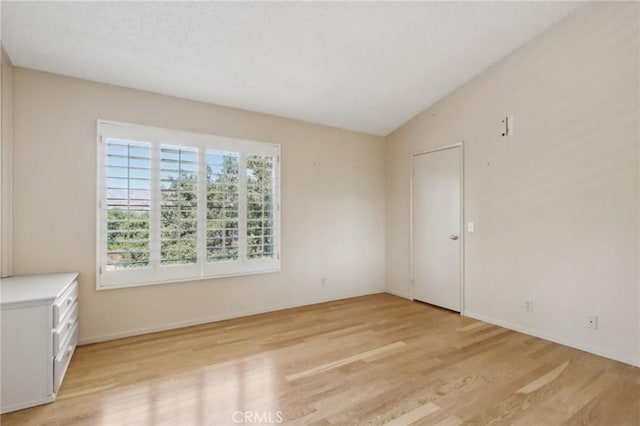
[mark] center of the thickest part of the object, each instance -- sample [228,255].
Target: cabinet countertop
[34,288]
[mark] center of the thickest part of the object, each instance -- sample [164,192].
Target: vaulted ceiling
[362,66]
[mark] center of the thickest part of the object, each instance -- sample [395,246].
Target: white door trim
[462,228]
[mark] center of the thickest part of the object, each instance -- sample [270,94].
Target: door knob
[453,237]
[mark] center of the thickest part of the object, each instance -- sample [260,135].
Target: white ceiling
[367,67]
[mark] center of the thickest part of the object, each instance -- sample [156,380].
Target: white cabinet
[39,334]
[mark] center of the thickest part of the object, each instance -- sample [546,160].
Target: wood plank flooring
[369,360]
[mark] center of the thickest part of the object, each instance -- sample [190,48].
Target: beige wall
[556,205]
[332,205]
[6,144]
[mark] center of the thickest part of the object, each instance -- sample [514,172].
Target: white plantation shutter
[223,208]
[177,206]
[261,206]
[127,204]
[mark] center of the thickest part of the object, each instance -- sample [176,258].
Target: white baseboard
[205,320]
[38,401]
[566,342]
[395,293]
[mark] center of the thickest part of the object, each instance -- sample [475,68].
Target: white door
[436,237]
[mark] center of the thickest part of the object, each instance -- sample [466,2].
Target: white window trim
[205,270]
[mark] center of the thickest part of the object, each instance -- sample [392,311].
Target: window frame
[156,273]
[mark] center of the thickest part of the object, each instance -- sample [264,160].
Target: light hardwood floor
[369,360]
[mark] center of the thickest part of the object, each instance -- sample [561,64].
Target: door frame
[462,229]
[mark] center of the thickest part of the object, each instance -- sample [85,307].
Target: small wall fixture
[507,126]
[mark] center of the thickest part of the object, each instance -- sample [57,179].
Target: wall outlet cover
[591,322]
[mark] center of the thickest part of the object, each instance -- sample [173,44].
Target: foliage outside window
[177,206]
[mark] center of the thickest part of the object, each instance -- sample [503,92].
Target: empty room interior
[320,213]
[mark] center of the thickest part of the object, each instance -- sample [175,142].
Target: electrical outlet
[528,306]
[591,322]
[323,281]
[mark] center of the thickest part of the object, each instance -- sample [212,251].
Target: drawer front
[61,362]
[63,304]
[61,334]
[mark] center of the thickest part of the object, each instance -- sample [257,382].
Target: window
[177,206]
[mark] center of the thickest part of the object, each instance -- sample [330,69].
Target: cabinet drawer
[63,304]
[61,362]
[61,334]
